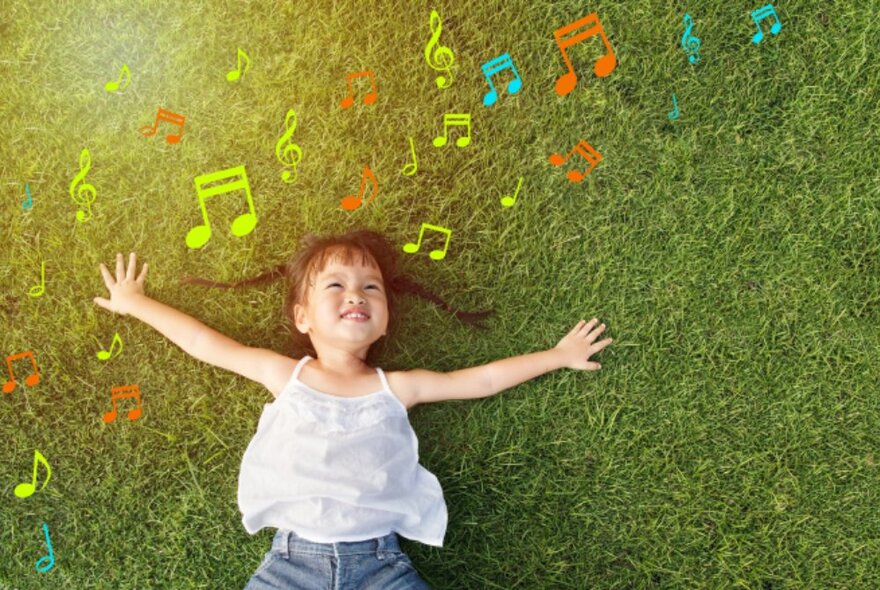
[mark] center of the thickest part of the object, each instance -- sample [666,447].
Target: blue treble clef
[690,43]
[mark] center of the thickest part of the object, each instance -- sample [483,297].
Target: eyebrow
[339,274]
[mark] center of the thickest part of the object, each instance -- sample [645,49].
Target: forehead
[347,264]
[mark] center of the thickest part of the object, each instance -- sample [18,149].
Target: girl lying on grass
[334,464]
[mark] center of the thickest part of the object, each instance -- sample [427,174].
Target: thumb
[105,303]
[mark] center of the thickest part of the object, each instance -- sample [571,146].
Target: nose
[351,298]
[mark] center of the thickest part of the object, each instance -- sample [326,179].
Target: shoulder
[403,385]
[278,370]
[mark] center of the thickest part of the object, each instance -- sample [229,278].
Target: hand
[577,346]
[125,288]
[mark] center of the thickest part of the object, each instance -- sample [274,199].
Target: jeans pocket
[268,559]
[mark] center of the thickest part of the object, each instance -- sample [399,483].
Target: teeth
[355,315]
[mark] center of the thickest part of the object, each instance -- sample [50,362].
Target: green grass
[731,438]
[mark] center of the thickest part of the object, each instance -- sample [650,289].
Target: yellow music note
[244,224]
[23,490]
[411,168]
[509,201]
[114,86]
[106,354]
[236,73]
[38,290]
[453,120]
[411,248]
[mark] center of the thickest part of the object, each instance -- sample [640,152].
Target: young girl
[334,462]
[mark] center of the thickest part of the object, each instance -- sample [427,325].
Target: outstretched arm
[127,297]
[572,352]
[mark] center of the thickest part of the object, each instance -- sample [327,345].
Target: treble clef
[85,162]
[289,150]
[443,56]
[690,43]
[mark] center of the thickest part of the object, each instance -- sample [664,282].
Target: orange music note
[584,149]
[244,224]
[30,380]
[368,99]
[172,118]
[352,202]
[605,64]
[411,248]
[23,490]
[123,392]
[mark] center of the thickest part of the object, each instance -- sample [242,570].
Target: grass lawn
[732,437]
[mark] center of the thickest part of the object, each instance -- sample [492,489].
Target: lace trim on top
[331,413]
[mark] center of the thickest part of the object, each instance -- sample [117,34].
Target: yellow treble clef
[85,162]
[443,57]
[291,149]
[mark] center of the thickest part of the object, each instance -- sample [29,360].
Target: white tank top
[338,469]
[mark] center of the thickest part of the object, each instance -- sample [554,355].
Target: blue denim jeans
[374,564]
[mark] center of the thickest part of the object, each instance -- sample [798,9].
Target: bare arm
[573,352]
[127,297]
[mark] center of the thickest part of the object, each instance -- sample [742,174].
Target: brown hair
[312,257]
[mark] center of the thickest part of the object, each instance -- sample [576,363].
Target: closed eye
[339,285]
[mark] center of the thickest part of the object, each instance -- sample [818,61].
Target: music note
[759,15]
[452,120]
[30,380]
[493,67]
[236,73]
[44,564]
[244,224]
[442,57]
[38,290]
[124,392]
[106,354]
[604,65]
[411,248]
[29,202]
[507,201]
[411,168]
[673,115]
[352,202]
[292,149]
[172,118]
[369,98]
[583,149]
[24,490]
[85,162]
[123,73]
[690,43]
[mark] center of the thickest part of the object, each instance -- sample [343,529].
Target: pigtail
[267,277]
[404,284]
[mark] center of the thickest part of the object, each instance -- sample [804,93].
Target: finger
[595,333]
[105,303]
[108,278]
[143,274]
[120,268]
[132,265]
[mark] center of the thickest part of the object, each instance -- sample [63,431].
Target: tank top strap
[384,380]
[299,366]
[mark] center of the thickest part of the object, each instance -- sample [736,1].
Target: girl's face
[337,289]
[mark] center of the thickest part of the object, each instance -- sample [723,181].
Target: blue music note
[44,564]
[494,66]
[759,15]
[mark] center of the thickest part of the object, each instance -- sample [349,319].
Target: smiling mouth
[356,317]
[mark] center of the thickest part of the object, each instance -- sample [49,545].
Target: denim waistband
[287,542]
